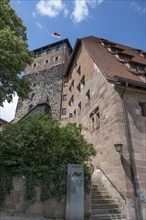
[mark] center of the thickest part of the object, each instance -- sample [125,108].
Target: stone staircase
[103,207]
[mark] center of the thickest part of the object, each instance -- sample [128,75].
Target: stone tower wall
[46,83]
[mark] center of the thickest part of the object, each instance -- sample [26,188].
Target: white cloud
[138,8]
[8,111]
[51,8]
[34,14]
[81,9]
[39,25]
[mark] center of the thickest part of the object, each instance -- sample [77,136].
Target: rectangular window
[79,88]
[34,65]
[64,111]
[71,102]
[142,109]
[88,96]
[64,97]
[95,119]
[79,71]
[75,112]
[65,84]
[83,81]
[72,84]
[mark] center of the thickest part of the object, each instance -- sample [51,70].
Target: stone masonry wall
[51,208]
[47,83]
[106,127]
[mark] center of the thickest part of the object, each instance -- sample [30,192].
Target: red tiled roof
[108,63]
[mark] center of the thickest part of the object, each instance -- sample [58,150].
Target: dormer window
[114,50]
[138,68]
[124,57]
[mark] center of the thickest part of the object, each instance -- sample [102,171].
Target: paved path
[8,215]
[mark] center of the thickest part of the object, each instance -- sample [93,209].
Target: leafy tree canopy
[14,54]
[41,149]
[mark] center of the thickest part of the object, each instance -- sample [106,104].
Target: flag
[54,34]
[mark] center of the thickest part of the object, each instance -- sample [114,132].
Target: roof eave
[123,81]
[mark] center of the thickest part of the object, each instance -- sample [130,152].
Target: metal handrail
[112,184]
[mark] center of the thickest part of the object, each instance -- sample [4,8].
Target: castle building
[106,94]
[101,86]
[45,76]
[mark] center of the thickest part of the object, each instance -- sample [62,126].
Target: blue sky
[121,21]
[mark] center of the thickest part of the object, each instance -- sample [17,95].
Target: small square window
[65,84]
[64,97]
[64,111]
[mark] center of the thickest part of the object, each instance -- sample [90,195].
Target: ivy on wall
[40,149]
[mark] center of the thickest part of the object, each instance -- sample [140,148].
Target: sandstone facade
[100,106]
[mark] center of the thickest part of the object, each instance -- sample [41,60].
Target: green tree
[14,54]
[40,148]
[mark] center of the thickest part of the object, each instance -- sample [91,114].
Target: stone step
[100,196]
[108,217]
[104,206]
[101,201]
[105,211]
[98,188]
[99,193]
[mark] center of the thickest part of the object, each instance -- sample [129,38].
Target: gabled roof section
[108,63]
[54,44]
